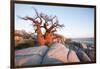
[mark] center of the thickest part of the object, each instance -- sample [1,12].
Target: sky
[78,22]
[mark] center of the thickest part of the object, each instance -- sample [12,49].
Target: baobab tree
[49,23]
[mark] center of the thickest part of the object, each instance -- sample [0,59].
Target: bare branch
[56,25]
[24,18]
[36,12]
[52,19]
[37,15]
[54,30]
[28,18]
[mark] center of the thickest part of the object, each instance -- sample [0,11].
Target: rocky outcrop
[81,50]
[30,56]
[55,54]
[58,53]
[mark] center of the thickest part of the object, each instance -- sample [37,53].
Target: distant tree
[49,23]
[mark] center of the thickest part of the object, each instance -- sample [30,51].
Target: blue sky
[79,22]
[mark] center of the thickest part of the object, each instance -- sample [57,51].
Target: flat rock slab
[58,54]
[30,56]
[83,57]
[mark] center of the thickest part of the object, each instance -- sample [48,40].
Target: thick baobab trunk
[49,37]
[40,37]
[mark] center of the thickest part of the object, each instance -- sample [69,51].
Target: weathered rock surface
[30,56]
[55,54]
[58,54]
[79,49]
